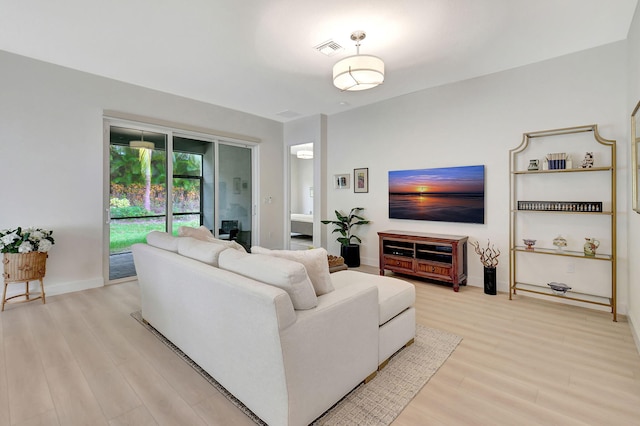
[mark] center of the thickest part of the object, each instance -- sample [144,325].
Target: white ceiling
[258,56]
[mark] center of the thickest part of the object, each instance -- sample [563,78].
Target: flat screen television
[447,194]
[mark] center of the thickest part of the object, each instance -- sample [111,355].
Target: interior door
[301,194]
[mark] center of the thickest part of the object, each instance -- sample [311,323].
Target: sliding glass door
[204,176]
[137,193]
[235,200]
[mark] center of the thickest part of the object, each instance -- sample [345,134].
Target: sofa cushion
[202,251]
[394,295]
[163,240]
[314,260]
[203,234]
[283,273]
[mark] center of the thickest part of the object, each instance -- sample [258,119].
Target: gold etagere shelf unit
[516,172]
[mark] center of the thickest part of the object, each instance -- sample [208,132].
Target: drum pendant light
[358,72]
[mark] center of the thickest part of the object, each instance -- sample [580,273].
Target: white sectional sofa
[287,345]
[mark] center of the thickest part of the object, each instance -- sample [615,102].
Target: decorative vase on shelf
[560,242]
[590,246]
[529,243]
[587,162]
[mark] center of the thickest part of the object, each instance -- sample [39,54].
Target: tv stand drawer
[432,269]
[398,264]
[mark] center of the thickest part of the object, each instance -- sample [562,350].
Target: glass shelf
[569,295]
[556,252]
[534,172]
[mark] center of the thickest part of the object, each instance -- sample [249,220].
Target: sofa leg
[370,377]
[384,364]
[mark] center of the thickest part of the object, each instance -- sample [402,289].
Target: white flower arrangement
[25,240]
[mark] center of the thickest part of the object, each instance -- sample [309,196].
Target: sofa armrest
[330,349]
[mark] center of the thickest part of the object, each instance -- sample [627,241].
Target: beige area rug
[381,400]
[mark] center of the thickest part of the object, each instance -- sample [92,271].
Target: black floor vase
[490,281]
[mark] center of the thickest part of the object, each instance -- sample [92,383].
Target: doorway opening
[301,178]
[209,181]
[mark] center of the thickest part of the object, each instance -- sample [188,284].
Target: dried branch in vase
[488,255]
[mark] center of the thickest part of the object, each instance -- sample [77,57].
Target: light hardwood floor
[82,360]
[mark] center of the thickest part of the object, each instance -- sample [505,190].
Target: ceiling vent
[329,48]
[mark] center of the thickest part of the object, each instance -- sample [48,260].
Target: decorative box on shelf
[561,206]
[558,161]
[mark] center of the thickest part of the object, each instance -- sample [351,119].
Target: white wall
[477,122]
[51,157]
[633,50]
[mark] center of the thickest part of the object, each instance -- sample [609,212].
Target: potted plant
[344,226]
[24,257]
[489,259]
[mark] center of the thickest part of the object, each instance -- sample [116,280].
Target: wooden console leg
[409,343]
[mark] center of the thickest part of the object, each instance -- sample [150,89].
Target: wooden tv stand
[434,256]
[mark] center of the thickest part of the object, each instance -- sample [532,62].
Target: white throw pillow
[203,234]
[202,251]
[315,262]
[283,273]
[163,240]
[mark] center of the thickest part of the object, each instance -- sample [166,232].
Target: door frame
[116,119]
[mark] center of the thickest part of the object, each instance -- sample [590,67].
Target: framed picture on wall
[361,180]
[341,181]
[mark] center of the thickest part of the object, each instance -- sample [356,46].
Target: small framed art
[341,181]
[361,180]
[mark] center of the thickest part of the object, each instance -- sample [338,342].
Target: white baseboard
[55,289]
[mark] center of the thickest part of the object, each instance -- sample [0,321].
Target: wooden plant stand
[22,268]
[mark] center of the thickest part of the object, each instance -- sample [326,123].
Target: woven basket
[335,260]
[19,267]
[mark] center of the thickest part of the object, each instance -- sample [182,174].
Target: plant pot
[19,267]
[490,281]
[351,254]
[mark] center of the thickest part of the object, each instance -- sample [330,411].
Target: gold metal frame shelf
[516,172]
[635,159]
